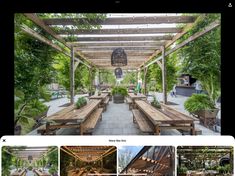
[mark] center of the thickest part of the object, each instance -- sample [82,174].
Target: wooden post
[145,85]
[72,76]
[164,83]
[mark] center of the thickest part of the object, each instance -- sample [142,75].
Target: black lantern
[118,58]
[118,72]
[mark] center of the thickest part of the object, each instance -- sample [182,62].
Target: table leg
[81,129]
[193,129]
[47,127]
[157,130]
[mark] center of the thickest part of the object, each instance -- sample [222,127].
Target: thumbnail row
[112,160]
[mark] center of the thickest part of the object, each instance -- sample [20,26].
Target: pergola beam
[36,35]
[120,31]
[118,38]
[121,21]
[34,18]
[97,48]
[207,29]
[117,43]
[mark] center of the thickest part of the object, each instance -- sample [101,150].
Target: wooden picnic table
[136,97]
[162,120]
[102,97]
[71,117]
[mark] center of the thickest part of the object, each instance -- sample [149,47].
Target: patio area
[98,61]
[118,119]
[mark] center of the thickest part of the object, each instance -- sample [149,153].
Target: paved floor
[30,173]
[117,120]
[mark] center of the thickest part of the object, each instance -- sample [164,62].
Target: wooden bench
[90,123]
[47,129]
[129,102]
[19,173]
[106,102]
[141,121]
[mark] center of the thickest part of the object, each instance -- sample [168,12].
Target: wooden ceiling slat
[121,21]
[112,48]
[120,31]
[120,43]
[117,38]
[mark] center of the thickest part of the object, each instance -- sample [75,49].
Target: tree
[129,78]
[202,57]
[154,73]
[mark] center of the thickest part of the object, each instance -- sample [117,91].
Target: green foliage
[119,90]
[202,57]
[107,77]
[155,103]
[224,169]
[198,102]
[30,168]
[154,74]
[129,78]
[81,102]
[6,162]
[182,170]
[88,168]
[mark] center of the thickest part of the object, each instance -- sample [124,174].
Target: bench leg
[134,121]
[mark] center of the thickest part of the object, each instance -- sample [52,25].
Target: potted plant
[202,106]
[155,103]
[182,171]
[81,102]
[119,94]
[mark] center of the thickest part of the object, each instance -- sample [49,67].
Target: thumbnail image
[204,160]
[146,160]
[88,160]
[29,161]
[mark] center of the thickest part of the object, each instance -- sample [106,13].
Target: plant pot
[118,98]
[210,113]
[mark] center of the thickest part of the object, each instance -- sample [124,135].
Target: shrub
[198,102]
[81,102]
[30,168]
[119,90]
[182,170]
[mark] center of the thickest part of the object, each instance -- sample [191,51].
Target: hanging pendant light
[118,72]
[119,57]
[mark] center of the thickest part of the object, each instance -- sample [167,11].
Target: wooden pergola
[89,153]
[202,153]
[142,44]
[152,161]
[35,153]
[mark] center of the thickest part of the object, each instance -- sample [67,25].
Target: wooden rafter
[121,31]
[39,22]
[121,21]
[117,43]
[118,38]
[207,29]
[95,48]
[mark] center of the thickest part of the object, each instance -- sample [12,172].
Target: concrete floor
[117,119]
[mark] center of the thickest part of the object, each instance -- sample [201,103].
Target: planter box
[207,113]
[118,99]
[207,117]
